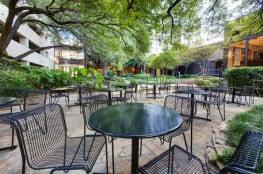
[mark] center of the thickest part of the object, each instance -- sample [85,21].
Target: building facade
[27,38]
[68,59]
[246,52]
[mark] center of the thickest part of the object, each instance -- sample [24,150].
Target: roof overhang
[255,43]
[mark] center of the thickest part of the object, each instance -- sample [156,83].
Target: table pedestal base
[135,155]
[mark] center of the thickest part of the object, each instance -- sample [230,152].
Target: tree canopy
[117,30]
[110,29]
[167,59]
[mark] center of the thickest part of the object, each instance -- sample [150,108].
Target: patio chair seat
[74,153]
[182,129]
[209,102]
[180,162]
[119,99]
[45,144]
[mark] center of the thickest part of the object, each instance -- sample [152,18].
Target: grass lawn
[250,120]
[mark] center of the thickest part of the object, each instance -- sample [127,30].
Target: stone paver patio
[10,161]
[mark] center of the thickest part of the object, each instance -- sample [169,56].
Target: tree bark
[6,35]
[43,48]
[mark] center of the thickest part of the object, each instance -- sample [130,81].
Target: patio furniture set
[44,144]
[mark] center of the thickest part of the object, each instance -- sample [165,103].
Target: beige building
[67,59]
[27,38]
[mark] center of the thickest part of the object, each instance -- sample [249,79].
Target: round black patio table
[135,121]
[4,101]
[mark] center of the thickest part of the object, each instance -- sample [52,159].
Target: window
[33,46]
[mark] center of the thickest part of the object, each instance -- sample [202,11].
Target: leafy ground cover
[250,120]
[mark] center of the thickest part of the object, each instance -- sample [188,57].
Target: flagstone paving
[10,161]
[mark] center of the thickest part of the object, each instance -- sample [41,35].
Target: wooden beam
[246,51]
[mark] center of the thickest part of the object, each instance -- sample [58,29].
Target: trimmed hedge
[239,77]
[209,81]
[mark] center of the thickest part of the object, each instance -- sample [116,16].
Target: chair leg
[20,107]
[106,149]
[112,148]
[23,166]
[169,157]
[13,134]
[68,101]
[220,112]
[162,140]
[185,142]
[140,147]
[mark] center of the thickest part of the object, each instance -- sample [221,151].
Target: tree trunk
[7,32]
[104,69]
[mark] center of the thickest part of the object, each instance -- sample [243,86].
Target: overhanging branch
[45,48]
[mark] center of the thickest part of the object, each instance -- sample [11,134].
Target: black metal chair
[143,87]
[245,159]
[164,86]
[246,95]
[30,99]
[216,98]
[84,92]
[90,105]
[44,143]
[184,106]
[182,90]
[129,95]
[34,98]
[176,160]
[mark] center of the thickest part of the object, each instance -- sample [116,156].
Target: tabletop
[6,100]
[110,89]
[63,89]
[194,91]
[135,120]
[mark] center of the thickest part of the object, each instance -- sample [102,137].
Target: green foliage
[142,76]
[241,27]
[208,81]
[111,73]
[89,76]
[16,75]
[34,78]
[198,53]
[250,120]
[225,156]
[238,77]
[166,59]
[15,79]
[120,81]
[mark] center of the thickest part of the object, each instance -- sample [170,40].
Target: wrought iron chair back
[129,93]
[34,98]
[217,95]
[95,102]
[185,106]
[85,91]
[180,104]
[248,90]
[39,132]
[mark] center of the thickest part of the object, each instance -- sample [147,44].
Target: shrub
[142,76]
[239,77]
[15,79]
[208,81]
[15,75]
